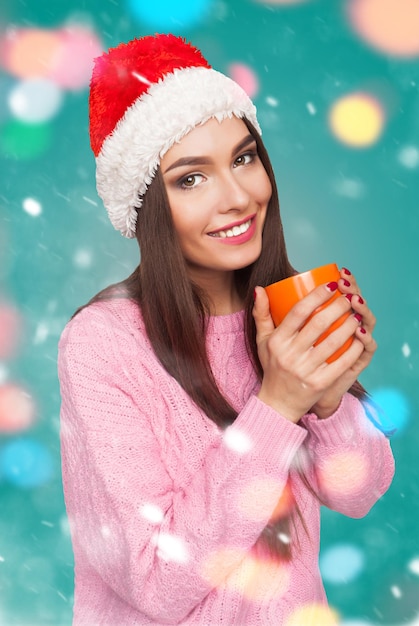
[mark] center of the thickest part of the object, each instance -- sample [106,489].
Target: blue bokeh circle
[25,463]
[169,15]
[394,407]
[341,563]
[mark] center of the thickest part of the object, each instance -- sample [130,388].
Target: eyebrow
[203,160]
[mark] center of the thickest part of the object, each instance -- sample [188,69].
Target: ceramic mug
[284,294]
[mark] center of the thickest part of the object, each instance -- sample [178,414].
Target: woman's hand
[330,400]
[297,377]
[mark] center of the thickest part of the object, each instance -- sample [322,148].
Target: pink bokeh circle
[74,62]
[245,77]
[17,409]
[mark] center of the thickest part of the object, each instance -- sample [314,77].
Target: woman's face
[218,193]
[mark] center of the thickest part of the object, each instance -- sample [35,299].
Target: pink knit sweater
[164,507]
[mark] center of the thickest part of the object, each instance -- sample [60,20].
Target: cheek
[187,223]
[266,190]
[181,215]
[260,186]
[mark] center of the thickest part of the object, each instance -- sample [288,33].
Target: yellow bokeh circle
[256,579]
[313,615]
[357,119]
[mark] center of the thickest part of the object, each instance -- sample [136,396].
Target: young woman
[198,441]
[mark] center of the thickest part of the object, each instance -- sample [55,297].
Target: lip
[233,224]
[239,239]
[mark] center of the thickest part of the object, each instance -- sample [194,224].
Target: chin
[249,258]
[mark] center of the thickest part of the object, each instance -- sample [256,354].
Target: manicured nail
[363,331]
[332,286]
[349,296]
[254,294]
[346,271]
[358,317]
[360,300]
[346,283]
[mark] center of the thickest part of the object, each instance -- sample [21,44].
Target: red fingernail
[363,331]
[346,271]
[254,294]
[346,283]
[360,300]
[349,296]
[332,286]
[358,317]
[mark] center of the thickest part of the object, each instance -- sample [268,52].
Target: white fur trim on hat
[169,109]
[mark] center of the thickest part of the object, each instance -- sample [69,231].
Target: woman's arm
[349,464]
[149,540]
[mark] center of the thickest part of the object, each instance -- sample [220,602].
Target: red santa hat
[146,95]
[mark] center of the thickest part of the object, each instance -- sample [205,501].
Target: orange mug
[285,293]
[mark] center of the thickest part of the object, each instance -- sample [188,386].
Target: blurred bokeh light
[341,563]
[245,77]
[283,2]
[30,52]
[10,329]
[35,100]
[357,120]
[395,406]
[74,62]
[17,409]
[163,15]
[390,26]
[26,463]
[313,615]
[64,56]
[22,141]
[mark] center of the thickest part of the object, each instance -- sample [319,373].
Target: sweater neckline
[217,324]
[223,324]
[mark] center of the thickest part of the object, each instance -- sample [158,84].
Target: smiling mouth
[233,232]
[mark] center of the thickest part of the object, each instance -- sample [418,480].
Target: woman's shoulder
[98,321]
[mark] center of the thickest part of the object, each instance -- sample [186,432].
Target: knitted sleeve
[152,544]
[349,463]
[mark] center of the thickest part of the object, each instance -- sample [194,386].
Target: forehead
[208,139]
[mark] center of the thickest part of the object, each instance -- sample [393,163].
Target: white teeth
[233,232]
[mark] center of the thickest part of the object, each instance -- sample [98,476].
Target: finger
[357,357]
[262,315]
[328,345]
[344,370]
[360,306]
[347,282]
[365,355]
[368,341]
[323,319]
[300,313]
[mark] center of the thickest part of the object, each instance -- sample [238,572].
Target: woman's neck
[221,292]
[226,305]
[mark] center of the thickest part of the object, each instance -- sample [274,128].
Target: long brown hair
[174,309]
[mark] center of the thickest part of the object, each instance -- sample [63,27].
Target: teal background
[358,207]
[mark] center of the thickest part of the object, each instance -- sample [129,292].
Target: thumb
[262,314]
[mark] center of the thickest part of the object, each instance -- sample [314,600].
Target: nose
[233,195]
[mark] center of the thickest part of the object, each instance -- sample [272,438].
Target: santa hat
[146,95]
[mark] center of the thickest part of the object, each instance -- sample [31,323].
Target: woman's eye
[190,181]
[244,159]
